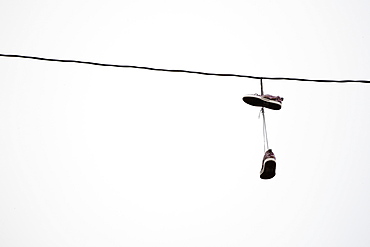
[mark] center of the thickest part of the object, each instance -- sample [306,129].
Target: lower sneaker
[266,100]
[268,165]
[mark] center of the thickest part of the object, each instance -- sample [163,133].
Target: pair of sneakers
[274,103]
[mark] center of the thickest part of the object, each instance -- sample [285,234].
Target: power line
[179,70]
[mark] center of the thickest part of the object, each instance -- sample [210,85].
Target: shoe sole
[255,100]
[268,170]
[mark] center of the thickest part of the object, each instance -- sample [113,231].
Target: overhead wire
[180,70]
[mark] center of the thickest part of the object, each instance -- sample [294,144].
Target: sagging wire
[179,70]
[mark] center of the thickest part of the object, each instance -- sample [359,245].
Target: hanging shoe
[268,165]
[266,100]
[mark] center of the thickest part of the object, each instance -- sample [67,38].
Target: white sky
[96,156]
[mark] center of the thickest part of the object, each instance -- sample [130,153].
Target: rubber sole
[256,100]
[268,170]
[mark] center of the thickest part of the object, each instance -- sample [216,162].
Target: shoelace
[265,139]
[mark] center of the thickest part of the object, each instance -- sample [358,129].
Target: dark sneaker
[268,165]
[266,100]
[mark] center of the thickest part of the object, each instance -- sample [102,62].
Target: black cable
[179,70]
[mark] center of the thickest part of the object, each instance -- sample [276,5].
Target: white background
[99,156]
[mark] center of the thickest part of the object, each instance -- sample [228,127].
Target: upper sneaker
[266,100]
[268,165]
